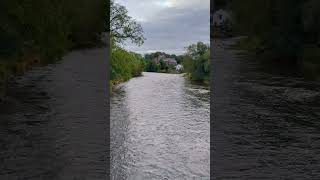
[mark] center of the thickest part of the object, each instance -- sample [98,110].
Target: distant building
[179,67]
[170,61]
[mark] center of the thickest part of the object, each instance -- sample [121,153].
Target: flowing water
[160,128]
[265,122]
[53,125]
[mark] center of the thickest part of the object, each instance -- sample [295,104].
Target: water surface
[160,129]
[266,121]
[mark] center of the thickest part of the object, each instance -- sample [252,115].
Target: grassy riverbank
[124,65]
[41,32]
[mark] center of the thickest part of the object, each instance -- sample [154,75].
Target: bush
[197,62]
[124,65]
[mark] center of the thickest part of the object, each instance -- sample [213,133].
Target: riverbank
[205,83]
[32,36]
[11,67]
[124,65]
[307,66]
[115,82]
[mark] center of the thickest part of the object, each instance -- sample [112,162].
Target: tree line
[152,66]
[123,28]
[195,61]
[42,31]
[49,28]
[126,64]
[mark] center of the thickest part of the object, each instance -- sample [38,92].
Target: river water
[160,128]
[53,125]
[265,120]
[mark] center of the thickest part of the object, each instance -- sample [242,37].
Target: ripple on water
[166,132]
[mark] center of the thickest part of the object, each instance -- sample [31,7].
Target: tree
[196,62]
[123,27]
[151,66]
[197,50]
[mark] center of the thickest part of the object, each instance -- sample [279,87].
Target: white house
[170,61]
[179,67]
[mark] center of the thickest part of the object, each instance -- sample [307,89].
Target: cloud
[170,25]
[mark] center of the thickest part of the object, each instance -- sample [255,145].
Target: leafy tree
[179,59]
[123,27]
[163,65]
[197,50]
[152,66]
[43,31]
[124,65]
[196,62]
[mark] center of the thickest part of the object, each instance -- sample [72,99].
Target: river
[265,120]
[160,127]
[53,124]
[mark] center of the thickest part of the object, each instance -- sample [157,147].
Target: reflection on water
[266,124]
[160,129]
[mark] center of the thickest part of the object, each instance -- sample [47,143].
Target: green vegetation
[124,64]
[161,66]
[152,56]
[152,66]
[40,31]
[196,62]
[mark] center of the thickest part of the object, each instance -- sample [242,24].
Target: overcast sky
[169,25]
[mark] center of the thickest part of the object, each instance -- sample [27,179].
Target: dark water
[266,124]
[53,125]
[160,129]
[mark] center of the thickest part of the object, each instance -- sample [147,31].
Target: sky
[169,25]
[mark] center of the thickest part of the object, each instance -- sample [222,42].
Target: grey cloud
[172,29]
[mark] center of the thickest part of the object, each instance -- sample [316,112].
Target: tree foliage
[152,66]
[49,28]
[42,31]
[195,51]
[125,65]
[196,62]
[123,27]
